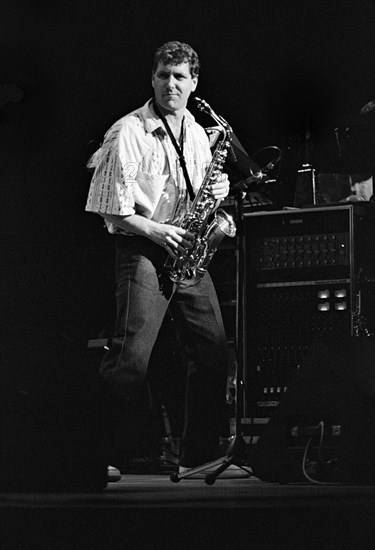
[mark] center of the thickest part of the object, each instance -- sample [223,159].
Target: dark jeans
[144,293]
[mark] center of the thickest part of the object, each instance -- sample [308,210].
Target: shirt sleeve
[116,166]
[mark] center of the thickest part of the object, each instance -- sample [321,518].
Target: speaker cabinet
[309,274]
[51,414]
[325,422]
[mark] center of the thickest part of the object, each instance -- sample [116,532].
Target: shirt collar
[152,122]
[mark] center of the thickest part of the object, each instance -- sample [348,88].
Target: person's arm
[170,237]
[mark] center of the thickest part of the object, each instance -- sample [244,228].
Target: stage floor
[149,511]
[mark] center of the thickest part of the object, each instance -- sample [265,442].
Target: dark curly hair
[175,53]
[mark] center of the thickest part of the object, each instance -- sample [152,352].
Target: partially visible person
[361,186]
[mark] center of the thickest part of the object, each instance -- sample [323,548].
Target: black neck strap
[179,148]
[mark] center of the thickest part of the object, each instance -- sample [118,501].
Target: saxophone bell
[190,268]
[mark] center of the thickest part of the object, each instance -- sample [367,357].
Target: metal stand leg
[218,466]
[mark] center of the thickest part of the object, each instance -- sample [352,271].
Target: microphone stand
[236,448]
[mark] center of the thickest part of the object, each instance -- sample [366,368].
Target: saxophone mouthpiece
[201,103]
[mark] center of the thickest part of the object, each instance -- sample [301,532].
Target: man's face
[173,85]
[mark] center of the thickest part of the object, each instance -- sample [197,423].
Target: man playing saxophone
[146,173]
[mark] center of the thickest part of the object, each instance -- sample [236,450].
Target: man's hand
[174,239]
[220,188]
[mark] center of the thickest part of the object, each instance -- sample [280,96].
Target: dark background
[272,68]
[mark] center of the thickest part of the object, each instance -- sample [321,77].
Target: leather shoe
[113,474]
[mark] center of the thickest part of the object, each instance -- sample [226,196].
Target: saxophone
[191,265]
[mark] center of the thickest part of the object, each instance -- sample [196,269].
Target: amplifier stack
[309,275]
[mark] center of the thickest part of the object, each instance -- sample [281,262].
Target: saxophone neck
[206,108]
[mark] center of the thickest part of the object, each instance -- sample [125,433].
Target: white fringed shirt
[137,170]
